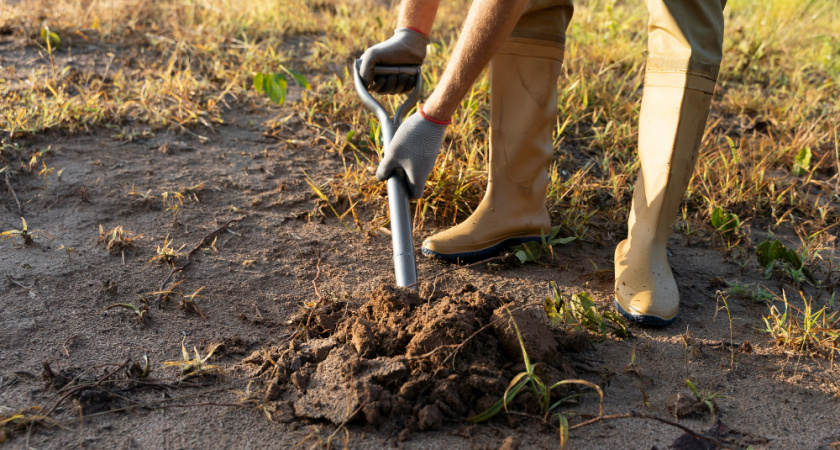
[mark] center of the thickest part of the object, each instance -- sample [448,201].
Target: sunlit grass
[180,63]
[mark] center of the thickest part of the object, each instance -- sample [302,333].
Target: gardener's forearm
[418,15]
[487,26]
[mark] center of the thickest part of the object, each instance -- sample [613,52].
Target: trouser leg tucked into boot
[523,109]
[685,51]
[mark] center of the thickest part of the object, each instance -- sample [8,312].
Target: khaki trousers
[684,36]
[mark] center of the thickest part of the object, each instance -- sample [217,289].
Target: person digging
[523,42]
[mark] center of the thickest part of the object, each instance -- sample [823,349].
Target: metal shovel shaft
[401,239]
[405,269]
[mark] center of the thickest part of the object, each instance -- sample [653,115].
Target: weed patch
[580,313]
[806,330]
[774,256]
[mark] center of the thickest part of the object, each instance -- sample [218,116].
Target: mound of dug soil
[407,361]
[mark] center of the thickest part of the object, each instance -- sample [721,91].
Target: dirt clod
[398,359]
[362,338]
[510,443]
[683,405]
[430,418]
[539,341]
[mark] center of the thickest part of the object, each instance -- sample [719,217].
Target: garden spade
[404,266]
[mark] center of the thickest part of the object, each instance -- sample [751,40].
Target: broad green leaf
[561,241]
[300,79]
[258,82]
[272,85]
[275,88]
[584,309]
[769,252]
[620,324]
[725,223]
[529,252]
[802,162]
[717,217]
[551,311]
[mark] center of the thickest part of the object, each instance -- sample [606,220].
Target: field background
[143,114]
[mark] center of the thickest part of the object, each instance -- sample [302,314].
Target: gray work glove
[406,48]
[413,151]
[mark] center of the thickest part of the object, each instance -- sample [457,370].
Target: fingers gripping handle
[402,241]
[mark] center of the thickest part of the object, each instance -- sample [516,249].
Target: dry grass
[772,103]
[180,63]
[807,329]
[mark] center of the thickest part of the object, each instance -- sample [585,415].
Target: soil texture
[402,359]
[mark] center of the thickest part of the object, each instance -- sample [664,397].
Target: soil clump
[402,359]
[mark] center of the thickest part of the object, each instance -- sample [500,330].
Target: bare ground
[262,273]
[272,237]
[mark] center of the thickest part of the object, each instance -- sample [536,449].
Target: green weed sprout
[541,391]
[707,398]
[579,312]
[773,255]
[804,329]
[726,223]
[534,251]
[140,312]
[24,233]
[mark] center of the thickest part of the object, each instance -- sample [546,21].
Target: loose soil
[404,360]
[301,318]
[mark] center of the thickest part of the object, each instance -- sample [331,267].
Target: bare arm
[418,14]
[488,24]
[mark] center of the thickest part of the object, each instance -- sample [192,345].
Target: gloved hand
[406,47]
[413,150]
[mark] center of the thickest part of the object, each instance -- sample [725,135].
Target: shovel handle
[405,269]
[389,125]
[395,70]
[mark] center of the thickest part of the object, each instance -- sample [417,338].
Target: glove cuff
[432,119]
[415,29]
[414,37]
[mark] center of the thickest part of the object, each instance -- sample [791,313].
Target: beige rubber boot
[523,110]
[673,117]
[685,43]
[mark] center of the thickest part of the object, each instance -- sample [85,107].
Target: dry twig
[315,285]
[9,185]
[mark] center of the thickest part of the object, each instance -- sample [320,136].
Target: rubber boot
[685,49]
[671,126]
[523,110]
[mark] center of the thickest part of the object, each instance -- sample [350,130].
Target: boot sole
[478,255]
[646,320]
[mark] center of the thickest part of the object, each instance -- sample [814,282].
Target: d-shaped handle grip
[389,125]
